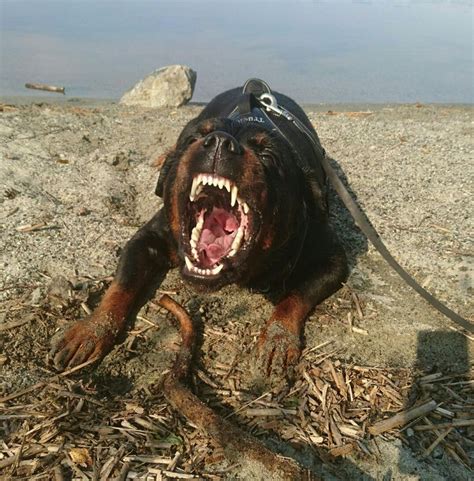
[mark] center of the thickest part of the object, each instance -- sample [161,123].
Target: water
[379,51]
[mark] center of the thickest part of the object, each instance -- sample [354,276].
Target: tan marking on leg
[117,302]
[291,313]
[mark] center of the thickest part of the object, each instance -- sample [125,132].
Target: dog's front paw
[86,340]
[278,352]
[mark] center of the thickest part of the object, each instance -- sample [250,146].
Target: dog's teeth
[195,234]
[204,272]
[233,195]
[198,190]
[221,183]
[227,185]
[236,243]
[245,207]
[232,253]
[189,264]
[238,237]
[194,187]
[204,180]
[215,181]
[209,179]
[195,254]
[217,269]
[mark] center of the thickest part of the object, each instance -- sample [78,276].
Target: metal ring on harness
[272,102]
[269,102]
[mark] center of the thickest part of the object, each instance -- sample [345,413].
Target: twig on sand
[13,324]
[48,88]
[41,384]
[237,445]
[456,423]
[402,418]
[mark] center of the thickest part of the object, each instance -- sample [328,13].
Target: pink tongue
[217,235]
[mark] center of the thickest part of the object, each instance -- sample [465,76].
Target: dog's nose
[222,140]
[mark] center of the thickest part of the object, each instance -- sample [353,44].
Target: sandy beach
[77,181]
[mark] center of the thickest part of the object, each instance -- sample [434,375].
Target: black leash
[268,103]
[363,222]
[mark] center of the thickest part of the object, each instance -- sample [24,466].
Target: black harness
[252,107]
[257,104]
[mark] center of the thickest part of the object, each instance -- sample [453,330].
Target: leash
[268,103]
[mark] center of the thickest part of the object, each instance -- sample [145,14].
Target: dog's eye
[190,140]
[267,158]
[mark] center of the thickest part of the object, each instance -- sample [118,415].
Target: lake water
[366,51]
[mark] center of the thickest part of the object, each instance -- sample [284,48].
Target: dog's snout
[222,140]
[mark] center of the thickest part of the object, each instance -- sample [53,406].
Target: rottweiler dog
[244,202]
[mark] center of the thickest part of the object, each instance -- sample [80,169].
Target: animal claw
[83,341]
[278,352]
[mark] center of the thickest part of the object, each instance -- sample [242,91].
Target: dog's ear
[318,191]
[163,162]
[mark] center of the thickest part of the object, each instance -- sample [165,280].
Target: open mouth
[218,224]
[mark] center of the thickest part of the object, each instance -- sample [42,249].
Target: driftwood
[48,88]
[237,445]
[402,418]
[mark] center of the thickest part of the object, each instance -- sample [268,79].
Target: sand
[77,181]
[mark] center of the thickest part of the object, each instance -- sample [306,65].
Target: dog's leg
[146,257]
[279,344]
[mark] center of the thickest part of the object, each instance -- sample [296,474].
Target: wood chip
[343,450]
[456,423]
[435,443]
[402,418]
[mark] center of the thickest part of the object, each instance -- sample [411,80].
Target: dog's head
[232,194]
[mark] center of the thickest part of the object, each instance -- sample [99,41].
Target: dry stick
[41,384]
[48,88]
[24,455]
[435,443]
[58,473]
[11,325]
[457,423]
[237,445]
[402,418]
[123,472]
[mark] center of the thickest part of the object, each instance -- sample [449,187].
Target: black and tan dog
[244,201]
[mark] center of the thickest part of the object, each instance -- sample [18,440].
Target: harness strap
[244,106]
[268,102]
[249,110]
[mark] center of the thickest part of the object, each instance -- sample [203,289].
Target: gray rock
[171,86]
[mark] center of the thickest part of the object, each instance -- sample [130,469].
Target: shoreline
[315,107]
